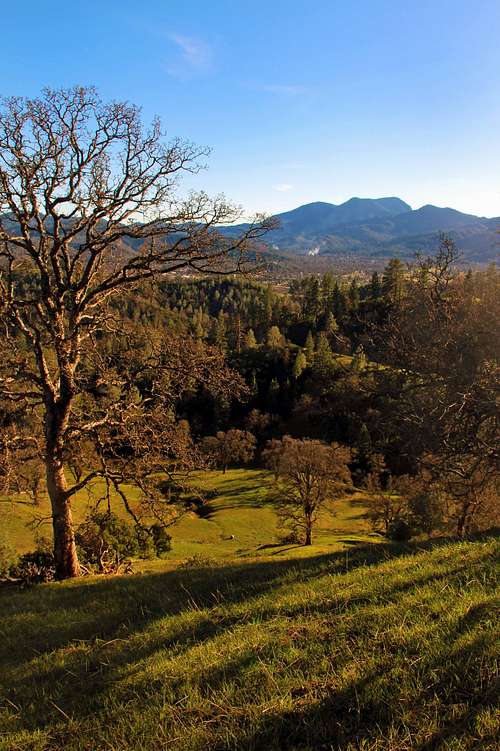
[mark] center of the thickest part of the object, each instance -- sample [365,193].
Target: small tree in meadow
[308,474]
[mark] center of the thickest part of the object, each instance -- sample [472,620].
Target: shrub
[35,567]
[427,511]
[104,541]
[400,531]
[198,561]
[161,539]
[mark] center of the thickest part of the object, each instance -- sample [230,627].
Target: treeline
[401,369]
[237,313]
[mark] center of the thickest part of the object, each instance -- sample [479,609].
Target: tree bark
[65,554]
[463,522]
[308,539]
[56,419]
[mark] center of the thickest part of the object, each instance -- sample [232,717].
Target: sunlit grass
[388,649]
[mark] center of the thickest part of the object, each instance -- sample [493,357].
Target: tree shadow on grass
[124,608]
[364,715]
[101,606]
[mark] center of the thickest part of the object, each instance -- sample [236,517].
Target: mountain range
[380,227]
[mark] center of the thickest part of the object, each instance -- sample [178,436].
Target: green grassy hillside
[239,522]
[375,648]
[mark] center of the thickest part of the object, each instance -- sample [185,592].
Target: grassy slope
[380,649]
[240,510]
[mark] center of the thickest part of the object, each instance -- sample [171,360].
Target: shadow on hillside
[358,715]
[170,592]
[119,610]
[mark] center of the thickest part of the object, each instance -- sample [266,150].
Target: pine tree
[327,286]
[392,280]
[331,326]
[299,365]
[250,340]
[220,331]
[309,347]
[339,302]
[274,338]
[353,294]
[323,354]
[364,442]
[312,302]
[375,286]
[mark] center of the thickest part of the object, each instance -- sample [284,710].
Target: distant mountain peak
[386,226]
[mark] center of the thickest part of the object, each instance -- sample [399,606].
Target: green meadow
[235,641]
[240,521]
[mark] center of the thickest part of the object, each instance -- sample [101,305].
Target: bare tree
[88,209]
[308,474]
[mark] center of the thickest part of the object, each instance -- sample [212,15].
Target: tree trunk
[463,523]
[65,554]
[308,540]
[56,419]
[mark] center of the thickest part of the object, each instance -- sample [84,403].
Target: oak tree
[90,208]
[308,474]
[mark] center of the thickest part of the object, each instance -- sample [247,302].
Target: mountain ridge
[380,226]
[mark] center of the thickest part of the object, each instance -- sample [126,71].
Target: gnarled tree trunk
[65,554]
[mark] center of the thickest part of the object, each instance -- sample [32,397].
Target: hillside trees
[88,209]
[231,446]
[442,339]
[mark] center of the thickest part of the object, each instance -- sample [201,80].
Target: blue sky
[299,101]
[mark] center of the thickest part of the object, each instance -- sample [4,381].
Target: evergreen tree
[327,286]
[392,280]
[312,303]
[323,354]
[331,326]
[364,443]
[274,338]
[250,340]
[353,294]
[220,331]
[375,286]
[268,306]
[309,347]
[300,364]
[339,303]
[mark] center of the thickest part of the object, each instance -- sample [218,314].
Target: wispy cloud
[194,56]
[283,89]
[282,187]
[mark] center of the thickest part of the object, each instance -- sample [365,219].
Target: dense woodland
[367,365]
